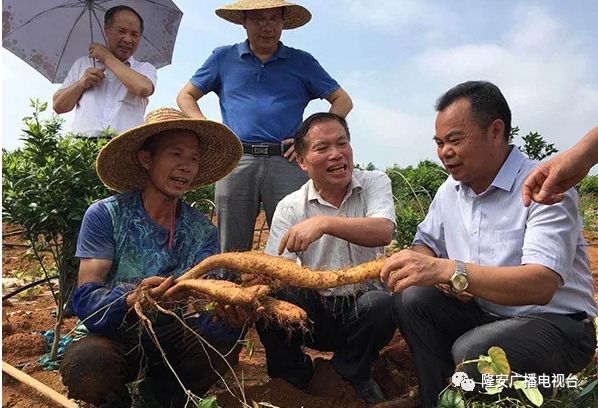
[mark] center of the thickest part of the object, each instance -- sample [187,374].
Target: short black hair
[487,103]
[109,16]
[300,143]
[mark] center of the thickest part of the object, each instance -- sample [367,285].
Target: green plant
[589,185]
[515,391]
[534,145]
[47,186]
[202,198]
[413,189]
[494,365]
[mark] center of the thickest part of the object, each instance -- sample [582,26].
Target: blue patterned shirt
[119,229]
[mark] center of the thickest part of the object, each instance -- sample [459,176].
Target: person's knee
[93,370]
[470,347]
[413,303]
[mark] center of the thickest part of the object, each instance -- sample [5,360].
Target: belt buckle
[259,150]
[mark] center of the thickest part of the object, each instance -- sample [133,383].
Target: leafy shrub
[534,145]
[47,186]
[589,185]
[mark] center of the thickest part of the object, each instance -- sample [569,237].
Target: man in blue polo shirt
[264,87]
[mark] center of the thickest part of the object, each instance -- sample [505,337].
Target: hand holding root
[242,305]
[154,287]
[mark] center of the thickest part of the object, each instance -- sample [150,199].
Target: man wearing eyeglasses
[264,87]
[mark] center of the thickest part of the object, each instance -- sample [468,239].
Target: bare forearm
[364,231]
[188,105]
[511,285]
[65,100]
[424,250]
[588,147]
[135,82]
[340,102]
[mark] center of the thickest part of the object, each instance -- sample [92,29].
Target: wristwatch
[459,281]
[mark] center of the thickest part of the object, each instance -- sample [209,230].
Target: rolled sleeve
[430,232]
[551,235]
[73,75]
[207,77]
[379,199]
[319,83]
[95,238]
[284,218]
[149,71]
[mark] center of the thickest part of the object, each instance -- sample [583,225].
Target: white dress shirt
[108,104]
[369,195]
[493,228]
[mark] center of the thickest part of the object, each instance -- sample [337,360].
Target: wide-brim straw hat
[294,14]
[219,148]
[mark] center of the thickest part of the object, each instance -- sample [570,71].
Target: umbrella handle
[93,60]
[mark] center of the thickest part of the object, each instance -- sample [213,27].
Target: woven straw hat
[294,14]
[219,149]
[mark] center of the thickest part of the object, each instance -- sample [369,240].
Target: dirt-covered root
[224,291]
[285,270]
[283,313]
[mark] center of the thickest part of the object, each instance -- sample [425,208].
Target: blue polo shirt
[263,102]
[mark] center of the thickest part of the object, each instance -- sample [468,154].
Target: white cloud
[544,70]
[385,135]
[397,14]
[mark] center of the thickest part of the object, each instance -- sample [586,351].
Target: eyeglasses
[262,22]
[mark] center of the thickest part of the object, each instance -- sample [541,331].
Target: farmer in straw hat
[145,236]
[264,87]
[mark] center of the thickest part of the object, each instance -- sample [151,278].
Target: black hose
[28,286]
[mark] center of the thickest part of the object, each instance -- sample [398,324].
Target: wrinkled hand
[548,182]
[301,235]
[409,268]
[99,52]
[290,154]
[91,77]
[157,285]
[237,316]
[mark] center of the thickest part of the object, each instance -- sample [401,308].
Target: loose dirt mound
[394,371]
[23,345]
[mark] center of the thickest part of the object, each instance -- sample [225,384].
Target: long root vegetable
[287,271]
[225,291]
[283,313]
[279,311]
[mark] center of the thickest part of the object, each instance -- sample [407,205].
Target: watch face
[459,282]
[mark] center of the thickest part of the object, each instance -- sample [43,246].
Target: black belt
[578,316]
[265,149]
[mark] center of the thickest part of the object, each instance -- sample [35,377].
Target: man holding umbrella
[264,87]
[114,91]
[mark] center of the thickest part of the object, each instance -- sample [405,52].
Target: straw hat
[294,14]
[219,149]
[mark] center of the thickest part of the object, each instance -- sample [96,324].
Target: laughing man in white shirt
[505,275]
[112,92]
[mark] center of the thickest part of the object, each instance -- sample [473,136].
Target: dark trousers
[443,331]
[97,369]
[355,328]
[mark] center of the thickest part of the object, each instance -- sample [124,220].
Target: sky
[395,58]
